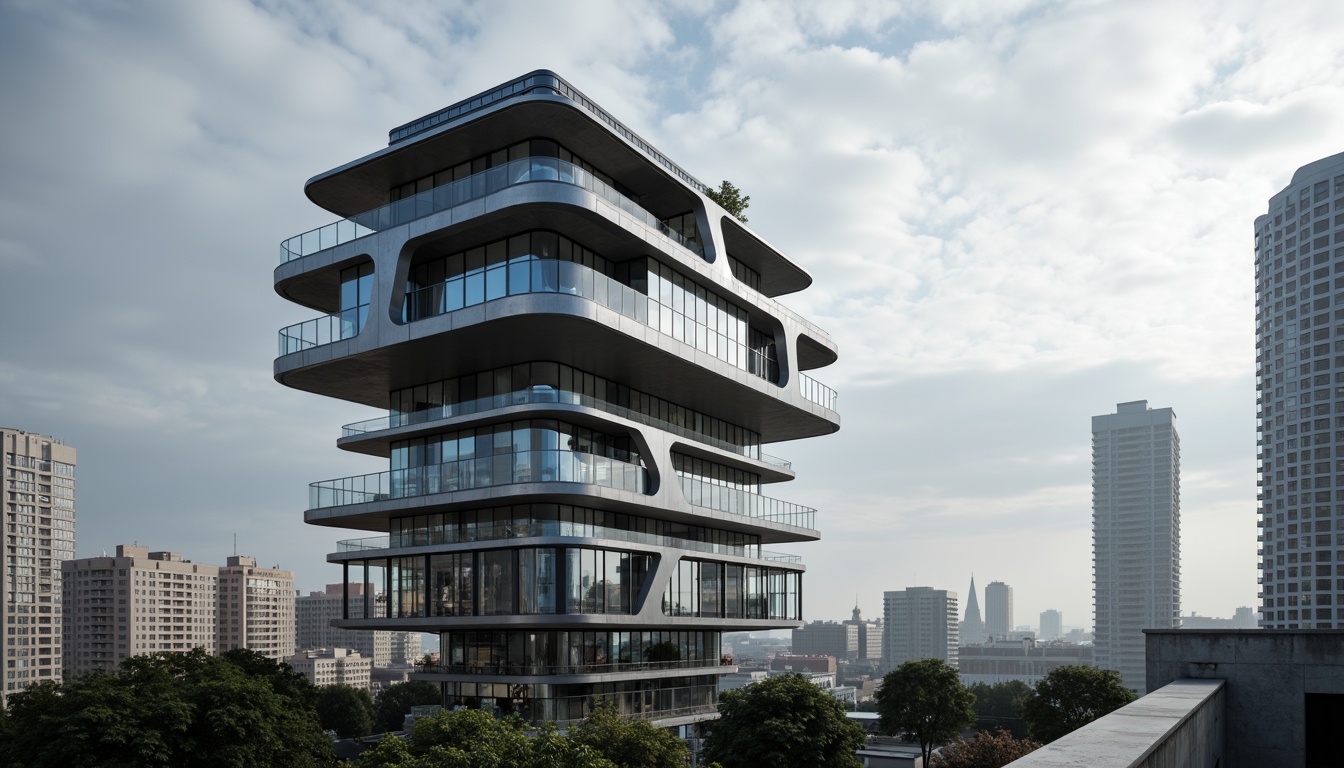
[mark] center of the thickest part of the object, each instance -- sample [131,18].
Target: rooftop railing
[542,81]
[702,493]
[521,171]
[546,394]
[542,466]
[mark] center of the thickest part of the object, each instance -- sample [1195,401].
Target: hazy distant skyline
[1017,215]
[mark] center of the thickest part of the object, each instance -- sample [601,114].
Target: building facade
[1026,660]
[39,537]
[919,623]
[1136,533]
[256,608]
[998,610]
[135,603]
[581,356]
[827,638]
[973,626]
[1052,625]
[869,635]
[1299,317]
[333,666]
[314,613]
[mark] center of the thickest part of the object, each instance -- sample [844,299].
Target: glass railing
[319,331]
[816,392]
[546,82]
[480,668]
[521,530]
[548,466]
[544,394]
[702,493]
[478,185]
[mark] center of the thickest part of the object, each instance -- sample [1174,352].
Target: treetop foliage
[925,702]
[984,750]
[731,199]
[1069,697]
[783,722]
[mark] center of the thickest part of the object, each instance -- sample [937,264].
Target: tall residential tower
[998,610]
[579,356]
[1299,353]
[40,535]
[919,623]
[1136,533]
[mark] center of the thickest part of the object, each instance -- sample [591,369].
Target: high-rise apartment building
[998,610]
[919,623]
[973,629]
[1052,625]
[136,603]
[256,608]
[1299,323]
[39,536]
[1136,533]
[581,355]
[314,613]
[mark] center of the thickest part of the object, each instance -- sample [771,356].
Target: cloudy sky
[1017,214]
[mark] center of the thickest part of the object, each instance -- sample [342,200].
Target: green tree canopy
[925,702]
[984,750]
[345,709]
[1068,698]
[169,710]
[629,743]
[472,738]
[783,722]
[395,703]
[999,706]
[731,199]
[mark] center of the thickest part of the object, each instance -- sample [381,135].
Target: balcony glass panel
[478,185]
[464,474]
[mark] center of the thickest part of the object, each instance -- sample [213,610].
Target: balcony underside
[374,515]
[532,327]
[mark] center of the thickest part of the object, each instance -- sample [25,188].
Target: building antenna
[235,545]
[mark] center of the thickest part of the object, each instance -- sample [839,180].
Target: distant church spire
[857,615]
[973,627]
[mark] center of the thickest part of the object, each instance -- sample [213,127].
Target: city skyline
[1003,242]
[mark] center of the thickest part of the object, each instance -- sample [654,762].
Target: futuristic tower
[581,356]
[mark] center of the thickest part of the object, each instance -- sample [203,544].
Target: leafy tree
[472,738]
[345,709]
[395,703]
[629,743]
[999,706]
[168,710]
[925,702]
[984,750]
[783,722]
[731,199]
[1069,697]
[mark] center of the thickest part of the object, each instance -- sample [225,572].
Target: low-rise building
[1025,660]
[827,638]
[333,666]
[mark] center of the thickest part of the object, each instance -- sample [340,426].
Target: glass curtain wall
[559,652]
[731,591]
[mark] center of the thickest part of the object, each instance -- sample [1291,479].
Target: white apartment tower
[1136,533]
[135,603]
[1299,353]
[256,608]
[39,536]
[919,623]
[998,610]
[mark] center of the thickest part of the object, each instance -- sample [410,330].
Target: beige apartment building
[333,666]
[256,608]
[314,613]
[140,602]
[39,536]
[135,603]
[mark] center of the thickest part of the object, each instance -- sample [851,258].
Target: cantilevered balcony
[548,395]
[371,545]
[702,493]
[478,185]
[559,466]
